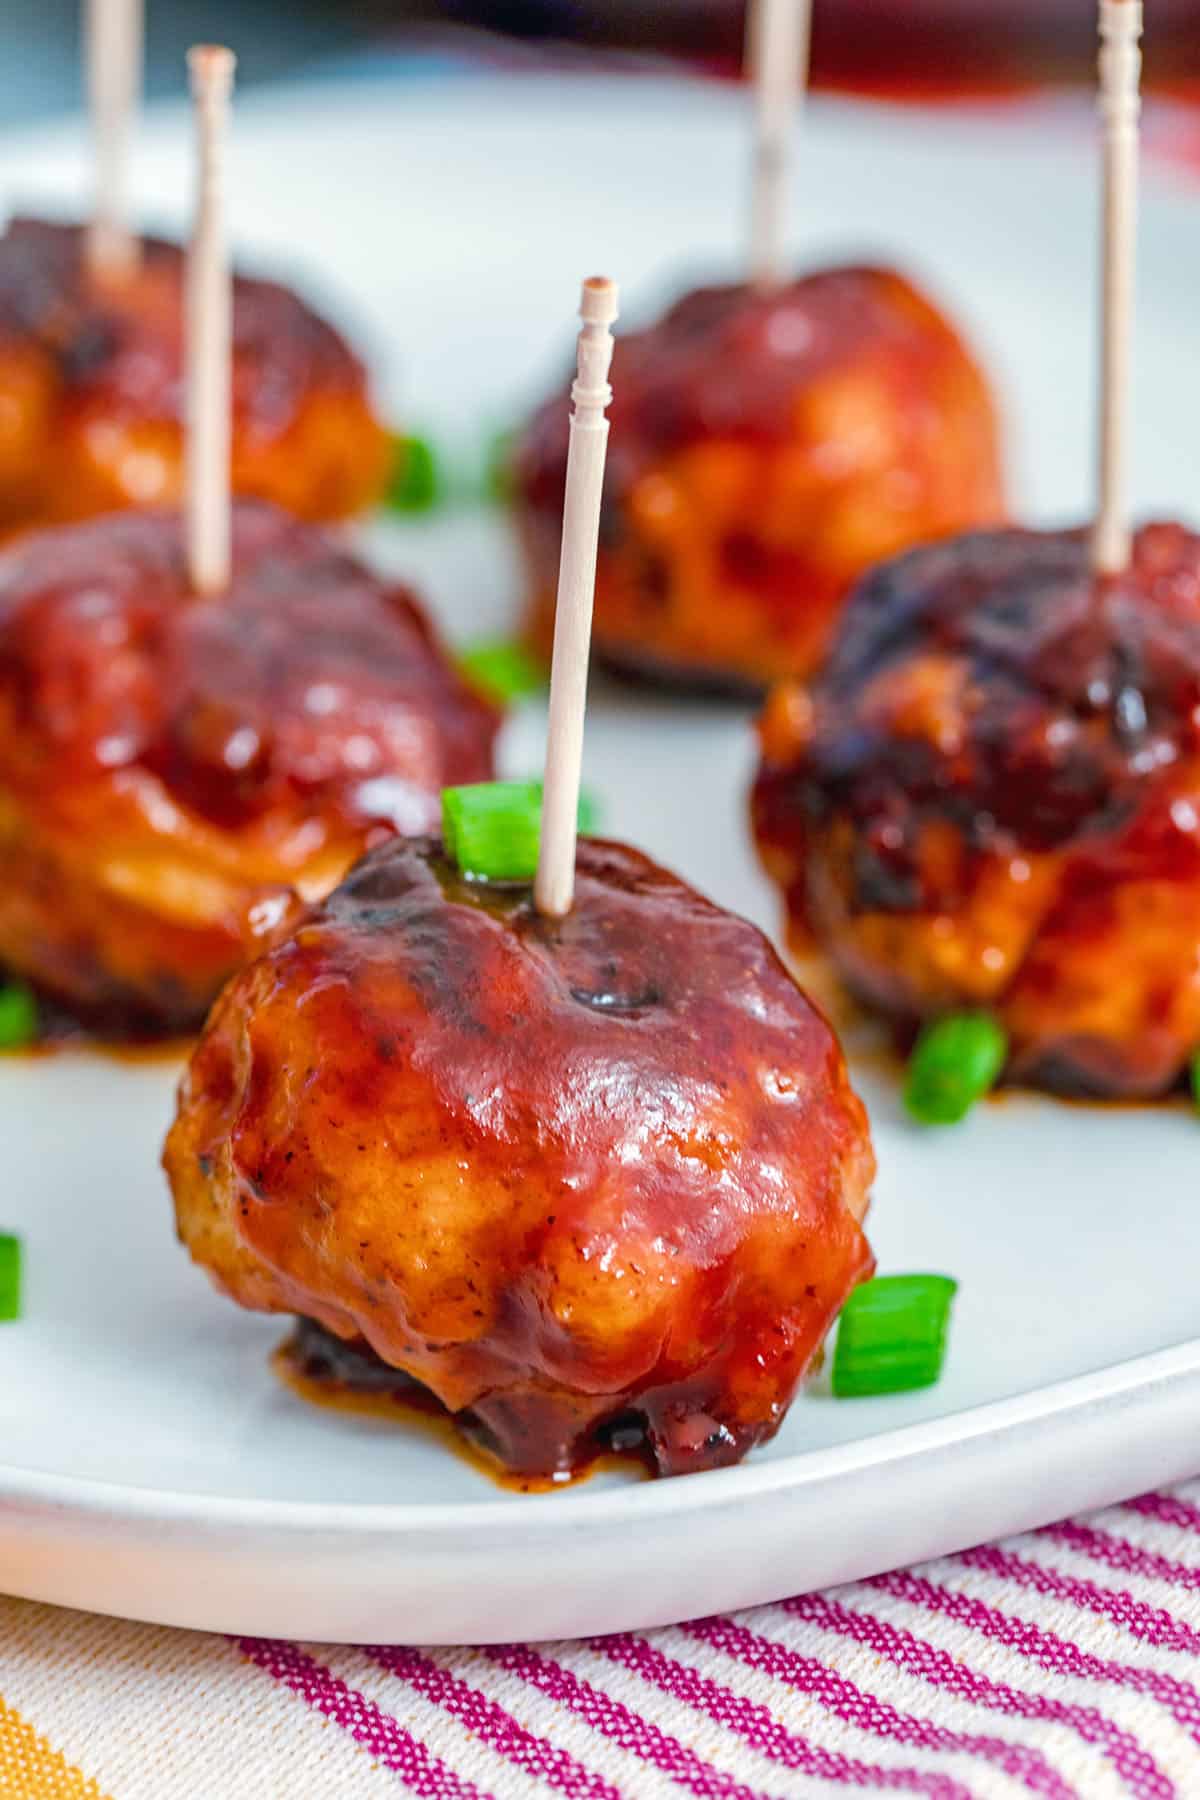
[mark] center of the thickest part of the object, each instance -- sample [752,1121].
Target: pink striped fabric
[386,1740]
[1053,1652]
[641,1737]
[491,1723]
[1062,1664]
[906,1650]
[756,1724]
[1168,1508]
[1151,1623]
[1119,1554]
[809,1675]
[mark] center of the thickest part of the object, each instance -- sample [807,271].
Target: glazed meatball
[765,450]
[991,798]
[91,389]
[568,1175]
[173,768]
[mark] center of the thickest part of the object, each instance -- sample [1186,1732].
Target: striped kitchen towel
[1062,1663]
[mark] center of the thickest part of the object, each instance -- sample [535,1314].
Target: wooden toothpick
[209,316]
[778,34]
[554,884]
[1120,110]
[113,53]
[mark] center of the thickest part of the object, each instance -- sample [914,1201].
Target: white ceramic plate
[151,1463]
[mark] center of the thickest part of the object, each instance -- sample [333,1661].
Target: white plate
[152,1465]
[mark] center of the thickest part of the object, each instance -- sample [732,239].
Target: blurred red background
[861,43]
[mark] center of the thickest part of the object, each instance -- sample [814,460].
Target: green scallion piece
[587,819]
[504,670]
[18,1016]
[954,1063]
[892,1335]
[1194,1078]
[10,1278]
[493,829]
[415,484]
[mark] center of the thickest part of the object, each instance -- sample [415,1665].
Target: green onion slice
[415,484]
[503,669]
[10,1277]
[892,1335]
[493,829]
[954,1063]
[1194,1077]
[18,1016]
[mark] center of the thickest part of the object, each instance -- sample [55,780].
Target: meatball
[173,768]
[766,449]
[990,797]
[571,1176]
[91,389]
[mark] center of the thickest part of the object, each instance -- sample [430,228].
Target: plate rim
[124,1503]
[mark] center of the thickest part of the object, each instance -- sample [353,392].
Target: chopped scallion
[503,669]
[18,1016]
[492,829]
[10,1277]
[892,1335]
[954,1063]
[1194,1078]
[415,484]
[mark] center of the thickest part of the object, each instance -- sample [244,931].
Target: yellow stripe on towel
[31,1770]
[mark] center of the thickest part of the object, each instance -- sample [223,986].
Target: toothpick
[113,32]
[778,34]
[209,309]
[554,885]
[1120,109]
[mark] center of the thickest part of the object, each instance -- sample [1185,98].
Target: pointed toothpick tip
[598,301]
[211,66]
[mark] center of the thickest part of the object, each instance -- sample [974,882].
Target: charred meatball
[173,768]
[91,389]
[566,1175]
[766,448]
[991,798]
